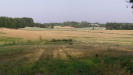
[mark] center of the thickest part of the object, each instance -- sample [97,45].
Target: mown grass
[17,58]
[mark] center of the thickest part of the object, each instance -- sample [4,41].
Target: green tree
[16,22]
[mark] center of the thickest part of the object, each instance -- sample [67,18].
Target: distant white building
[95,24]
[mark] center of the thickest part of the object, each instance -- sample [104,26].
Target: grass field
[67,52]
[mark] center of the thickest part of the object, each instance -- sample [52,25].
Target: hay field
[68,52]
[100,36]
[99,40]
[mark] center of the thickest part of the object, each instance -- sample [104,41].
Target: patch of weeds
[61,41]
[8,39]
[39,42]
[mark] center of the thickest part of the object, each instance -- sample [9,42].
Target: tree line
[9,22]
[16,23]
[74,24]
[119,26]
[108,26]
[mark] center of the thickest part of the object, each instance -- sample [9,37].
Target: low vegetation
[63,56]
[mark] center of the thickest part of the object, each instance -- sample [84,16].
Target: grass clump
[61,41]
[8,39]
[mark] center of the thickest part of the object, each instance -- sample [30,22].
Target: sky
[45,11]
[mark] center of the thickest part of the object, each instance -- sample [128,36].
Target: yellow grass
[97,38]
[100,36]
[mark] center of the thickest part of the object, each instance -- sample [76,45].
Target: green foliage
[82,24]
[50,66]
[77,24]
[62,41]
[8,39]
[119,26]
[16,22]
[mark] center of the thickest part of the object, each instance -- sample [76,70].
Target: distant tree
[71,23]
[119,26]
[85,24]
[52,26]
[131,1]
[82,24]
[16,22]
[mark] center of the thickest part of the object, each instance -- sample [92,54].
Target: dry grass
[90,44]
[98,40]
[101,36]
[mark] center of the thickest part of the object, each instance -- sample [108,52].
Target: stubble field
[68,52]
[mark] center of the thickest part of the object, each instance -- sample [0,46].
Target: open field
[100,36]
[67,52]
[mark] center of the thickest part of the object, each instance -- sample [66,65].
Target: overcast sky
[68,10]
